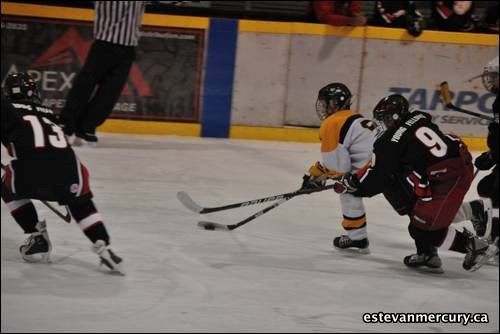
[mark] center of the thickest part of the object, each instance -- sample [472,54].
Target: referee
[99,83]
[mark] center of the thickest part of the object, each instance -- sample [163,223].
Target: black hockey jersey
[30,133]
[493,133]
[44,165]
[412,147]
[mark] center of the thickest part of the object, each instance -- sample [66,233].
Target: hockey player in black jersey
[488,186]
[45,167]
[424,174]
[483,212]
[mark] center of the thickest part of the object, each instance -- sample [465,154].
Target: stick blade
[67,218]
[206,225]
[188,202]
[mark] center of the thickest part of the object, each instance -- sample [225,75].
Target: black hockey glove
[311,182]
[485,161]
[347,184]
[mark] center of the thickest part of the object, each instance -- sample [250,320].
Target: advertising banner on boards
[415,71]
[164,82]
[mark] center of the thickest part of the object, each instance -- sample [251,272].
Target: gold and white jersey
[346,145]
[346,141]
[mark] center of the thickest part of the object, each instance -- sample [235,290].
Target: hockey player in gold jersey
[346,145]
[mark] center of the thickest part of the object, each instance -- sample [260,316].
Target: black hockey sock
[24,213]
[494,228]
[22,210]
[426,241]
[97,232]
[89,220]
[460,242]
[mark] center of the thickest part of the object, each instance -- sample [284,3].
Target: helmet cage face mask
[385,121]
[490,76]
[321,108]
[388,112]
[325,108]
[490,81]
[332,98]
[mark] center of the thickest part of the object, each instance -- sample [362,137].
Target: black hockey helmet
[390,110]
[21,86]
[331,98]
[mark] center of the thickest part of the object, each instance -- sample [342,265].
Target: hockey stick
[445,93]
[282,199]
[189,203]
[66,217]
[216,226]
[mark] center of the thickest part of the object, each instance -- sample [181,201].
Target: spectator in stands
[454,15]
[490,23]
[338,13]
[390,14]
[398,14]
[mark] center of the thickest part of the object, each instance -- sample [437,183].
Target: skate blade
[75,141]
[492,262]
[483,259]
[115,270]
[85,143]
[112,272]
[354,250]
[428,270]
[37,258]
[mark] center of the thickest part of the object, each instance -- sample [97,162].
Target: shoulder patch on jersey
[347,124]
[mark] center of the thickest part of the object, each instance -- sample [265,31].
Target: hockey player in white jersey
[346,145]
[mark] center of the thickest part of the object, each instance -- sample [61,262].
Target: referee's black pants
[97,87]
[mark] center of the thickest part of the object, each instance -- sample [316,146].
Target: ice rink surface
[278,273]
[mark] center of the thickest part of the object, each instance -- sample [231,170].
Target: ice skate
[481,218]
[108,257]
[428,262]
[37,247]
[86,139]
[493,261]
[479,251]
[345,243]
[73,140]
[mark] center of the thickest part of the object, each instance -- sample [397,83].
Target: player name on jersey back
[31,108]
[399,132]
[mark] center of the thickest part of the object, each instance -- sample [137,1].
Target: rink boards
[259,80]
